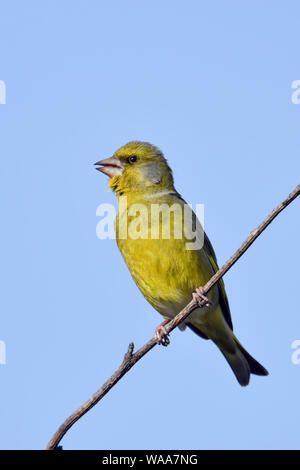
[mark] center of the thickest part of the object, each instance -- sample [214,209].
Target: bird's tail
[242,363]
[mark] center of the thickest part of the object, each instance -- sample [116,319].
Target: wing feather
[222,292]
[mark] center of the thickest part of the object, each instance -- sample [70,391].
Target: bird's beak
[110,167]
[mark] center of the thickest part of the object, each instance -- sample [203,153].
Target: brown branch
[131,359]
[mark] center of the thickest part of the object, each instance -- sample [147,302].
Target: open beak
[110,167]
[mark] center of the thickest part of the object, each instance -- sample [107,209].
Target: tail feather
[243,364]
[239,365]
[255,367]
[240,361]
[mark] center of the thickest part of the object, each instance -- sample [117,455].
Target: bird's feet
[160,335]
[199,296]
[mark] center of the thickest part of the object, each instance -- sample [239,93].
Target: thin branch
[131,359]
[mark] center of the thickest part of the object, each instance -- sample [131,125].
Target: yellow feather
[165,271]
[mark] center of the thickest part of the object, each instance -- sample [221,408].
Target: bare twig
[131,359]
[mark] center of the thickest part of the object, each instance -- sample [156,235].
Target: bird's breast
[163,268]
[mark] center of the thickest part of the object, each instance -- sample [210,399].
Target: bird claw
[161,336]
[199,296]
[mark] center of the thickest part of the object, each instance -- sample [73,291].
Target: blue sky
[210,84]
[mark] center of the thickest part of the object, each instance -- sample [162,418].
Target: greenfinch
[167,272]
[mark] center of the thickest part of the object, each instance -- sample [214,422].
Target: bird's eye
[132,159]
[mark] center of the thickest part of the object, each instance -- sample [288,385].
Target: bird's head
[137,166]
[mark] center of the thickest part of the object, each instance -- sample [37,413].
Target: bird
[168,274]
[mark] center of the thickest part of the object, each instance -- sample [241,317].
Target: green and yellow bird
[169,274]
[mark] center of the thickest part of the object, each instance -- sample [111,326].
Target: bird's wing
[222,293]
[223,300]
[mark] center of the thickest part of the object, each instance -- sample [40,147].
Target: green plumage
[165,271]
